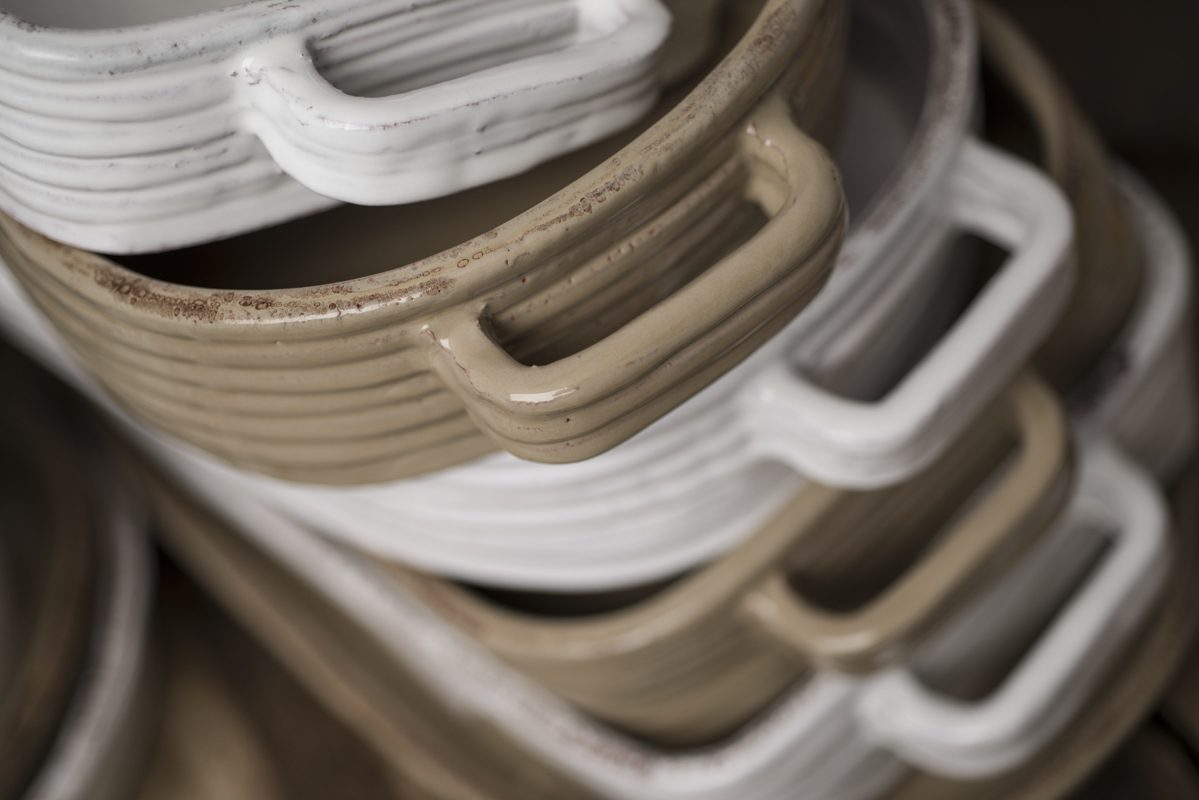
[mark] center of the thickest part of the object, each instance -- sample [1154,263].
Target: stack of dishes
[806,434]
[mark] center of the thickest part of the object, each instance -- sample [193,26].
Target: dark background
[1133,66]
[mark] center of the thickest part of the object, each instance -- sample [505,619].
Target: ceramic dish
[432,750]
[93,750]
[1143,390]
[1131,689]
[692,661]
[402,372]
[829,714]
[234,725]
[98,752]
[677,495]
[131,127]
[1108,263]
[320,608]
[50,551]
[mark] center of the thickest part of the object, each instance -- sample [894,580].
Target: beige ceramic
[1133,686]
[235,726]
[347,669]
[1109,264]
[1153,766]
[365,675]
[694,660]
[49,549]
[402,372]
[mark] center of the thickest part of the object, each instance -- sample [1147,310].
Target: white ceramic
[710,473]
[1144,390]
[98,751]
[836,736]
[194,122]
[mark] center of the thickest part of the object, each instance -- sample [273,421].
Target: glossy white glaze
[182,131]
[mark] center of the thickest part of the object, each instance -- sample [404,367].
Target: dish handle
[974,740]
[871,444]
[586,403]
[1018,507]
[464,117]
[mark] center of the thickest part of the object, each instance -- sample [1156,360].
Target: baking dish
[49,553]
[1142,391]
[88,744]
[401,373]
[764,760]
[127,130]
[691,661]
[1108,263]
[1131,689]
[708,474]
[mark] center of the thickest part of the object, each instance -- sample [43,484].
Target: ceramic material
[1108,262]
[354,674]
[695,660]
[49,551]
[678,494]
[233,118]
[1143,390]
[767,760]
[235,726]
[401,373]
[97,753]
[1131,688]
[86,743]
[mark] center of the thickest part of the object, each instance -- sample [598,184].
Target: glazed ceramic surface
[128,130]
[49,550]
[835,736]
[86,744]
[403,372]
[1108,263]
[716,468]
[1143,390]
[97,753]
[1131,689]
[842,579]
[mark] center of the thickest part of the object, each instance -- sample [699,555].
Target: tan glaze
[1152,766]
[206,747]
[1133,686]
[400,373]
[437,753]
[50,552]
[697,659]
[235,726]
[1109,265]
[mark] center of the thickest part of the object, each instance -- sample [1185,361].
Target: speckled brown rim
[397,373]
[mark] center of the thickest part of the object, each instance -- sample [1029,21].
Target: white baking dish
[145,126]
